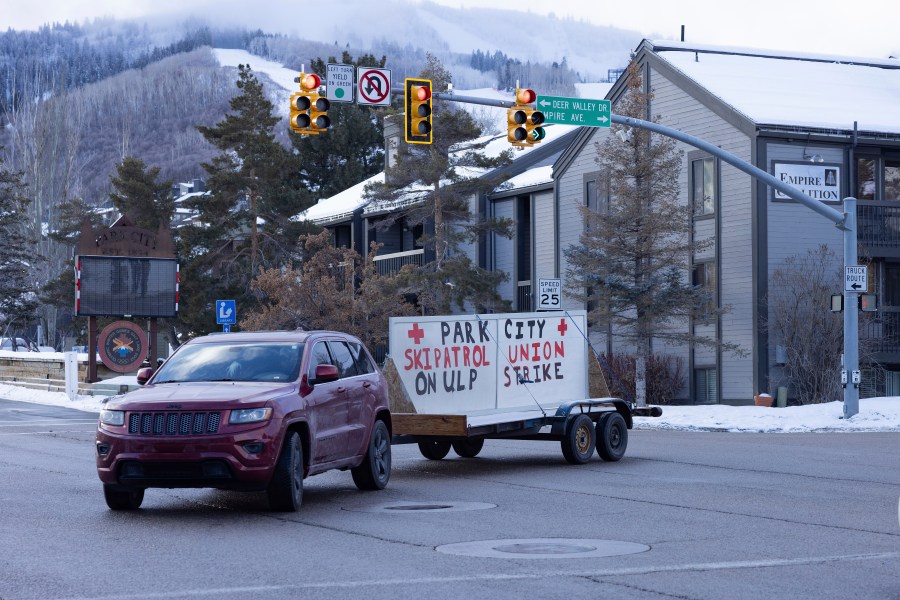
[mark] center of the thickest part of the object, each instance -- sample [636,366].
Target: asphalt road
[702,515]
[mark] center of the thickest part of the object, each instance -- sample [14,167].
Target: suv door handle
[367,384]
[341,390]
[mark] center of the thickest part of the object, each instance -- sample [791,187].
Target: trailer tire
[580,440]
[612,437]
[434,449]
[468,448]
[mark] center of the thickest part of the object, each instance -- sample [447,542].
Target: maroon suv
[249,411]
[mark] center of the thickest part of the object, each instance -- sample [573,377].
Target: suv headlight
[249,415]
[112,417]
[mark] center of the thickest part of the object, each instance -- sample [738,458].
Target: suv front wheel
[118,498]
[286,488]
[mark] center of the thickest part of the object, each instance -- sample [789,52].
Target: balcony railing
[523,296]
[391,263]
[881,334]
[879,228]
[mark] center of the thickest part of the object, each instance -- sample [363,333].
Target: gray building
[824,124]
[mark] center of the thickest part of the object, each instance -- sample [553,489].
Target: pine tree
[244,224]
[435,184]
[137,194]
[18,297]
[631,265]
[352,150]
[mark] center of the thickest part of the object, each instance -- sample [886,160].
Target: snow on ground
[875,414]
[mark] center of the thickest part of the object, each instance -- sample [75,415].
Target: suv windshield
[224,361]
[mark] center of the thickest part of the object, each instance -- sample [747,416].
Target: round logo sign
[123,346]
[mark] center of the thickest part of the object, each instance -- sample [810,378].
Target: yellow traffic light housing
[524,120]
[299,118]
[309,111]
[417,105]
[318,114]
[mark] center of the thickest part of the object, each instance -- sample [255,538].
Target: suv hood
[198,395]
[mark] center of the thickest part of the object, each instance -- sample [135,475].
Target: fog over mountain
[589,49]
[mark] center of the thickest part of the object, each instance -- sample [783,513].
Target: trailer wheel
[612,437]
[579,442]
[468,448]
[435,449]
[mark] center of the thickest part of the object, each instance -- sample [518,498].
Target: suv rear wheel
[375,470]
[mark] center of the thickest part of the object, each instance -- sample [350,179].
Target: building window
[892,179]
[706,386]
[590,194]
[704,277]
[596,193]
[703,186]
[878,178]
[865,179]
[891,285]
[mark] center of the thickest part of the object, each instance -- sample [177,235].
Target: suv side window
[319,356]
[343,359]
[362,359]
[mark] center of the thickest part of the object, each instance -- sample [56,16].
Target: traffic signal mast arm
[823,209]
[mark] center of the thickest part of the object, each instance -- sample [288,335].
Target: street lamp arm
[823,209]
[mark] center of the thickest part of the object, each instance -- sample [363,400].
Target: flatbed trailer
[580,426]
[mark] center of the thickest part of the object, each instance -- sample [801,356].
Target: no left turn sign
[373,86]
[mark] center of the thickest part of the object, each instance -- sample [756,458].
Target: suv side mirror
[143,375]
[325,373]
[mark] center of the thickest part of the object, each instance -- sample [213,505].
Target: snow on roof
[596,91]
[795,90]
[529,178]
[340,205]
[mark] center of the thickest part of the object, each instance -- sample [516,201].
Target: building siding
[570,193]
[504,249]
[733,248]
[544,235]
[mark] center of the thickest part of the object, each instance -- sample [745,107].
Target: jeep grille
[173,423]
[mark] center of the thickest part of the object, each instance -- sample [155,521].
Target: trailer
[465,379]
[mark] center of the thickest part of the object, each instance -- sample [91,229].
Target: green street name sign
[575,111]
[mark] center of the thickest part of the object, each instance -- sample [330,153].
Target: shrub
[665,376]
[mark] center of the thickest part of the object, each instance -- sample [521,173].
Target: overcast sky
[826,26]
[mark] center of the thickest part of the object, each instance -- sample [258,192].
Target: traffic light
[318,114]
[417,104]
[299,119]
[309,110]
[524,121]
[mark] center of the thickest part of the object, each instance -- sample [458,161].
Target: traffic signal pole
[845,221]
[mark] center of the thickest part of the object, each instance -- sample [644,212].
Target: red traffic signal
[525,96]
[310,82]
[417,108]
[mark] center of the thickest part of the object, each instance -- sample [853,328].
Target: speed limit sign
[549,294]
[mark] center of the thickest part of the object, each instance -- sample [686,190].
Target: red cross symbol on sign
[416,333]
[562,327]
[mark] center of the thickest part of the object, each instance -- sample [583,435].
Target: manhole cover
[543,548]
[407,507]
[419,507]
